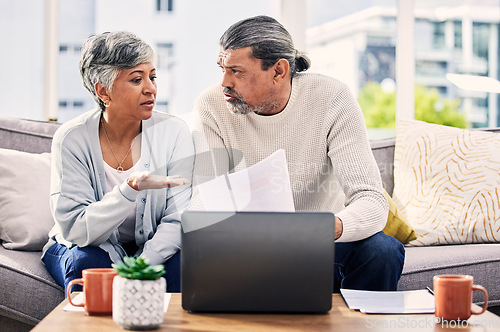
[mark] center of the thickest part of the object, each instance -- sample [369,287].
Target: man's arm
[366,207]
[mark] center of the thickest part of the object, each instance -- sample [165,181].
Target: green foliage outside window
[379,107]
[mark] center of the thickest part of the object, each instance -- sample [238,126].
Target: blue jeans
[373,264]
[67,264]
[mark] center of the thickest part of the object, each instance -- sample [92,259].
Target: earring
[107,103]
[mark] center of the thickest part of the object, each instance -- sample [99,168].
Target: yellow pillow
[396,226]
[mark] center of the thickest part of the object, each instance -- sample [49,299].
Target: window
[68,48]
[377,64]
[431,68]
[438,36]
[71,103]
[164,54]
[165,5]
[480,39]
[462,45]
[162,106]
[458,34]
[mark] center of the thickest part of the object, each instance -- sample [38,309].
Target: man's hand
[338,228]
[146,180]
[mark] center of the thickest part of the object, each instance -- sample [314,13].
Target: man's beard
[239,106]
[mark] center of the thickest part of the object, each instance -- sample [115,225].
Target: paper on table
[405,302]
[79,299]
[264,186]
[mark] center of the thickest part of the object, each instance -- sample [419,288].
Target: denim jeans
[373,264]
[67,264]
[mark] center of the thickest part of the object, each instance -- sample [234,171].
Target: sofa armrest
[383,151]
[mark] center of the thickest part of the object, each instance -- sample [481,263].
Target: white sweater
[322,130]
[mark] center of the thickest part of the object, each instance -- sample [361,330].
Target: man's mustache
[230,91]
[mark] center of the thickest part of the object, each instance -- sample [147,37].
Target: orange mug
[97,289]
[453,297]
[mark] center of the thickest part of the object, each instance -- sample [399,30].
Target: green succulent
[138,268]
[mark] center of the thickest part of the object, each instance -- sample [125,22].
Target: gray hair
[269,40]
[104,55]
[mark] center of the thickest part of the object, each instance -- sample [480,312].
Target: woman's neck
[119,130]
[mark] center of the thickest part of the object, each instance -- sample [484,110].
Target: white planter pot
[138,304]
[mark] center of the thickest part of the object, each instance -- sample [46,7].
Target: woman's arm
[167,239]
[83,214]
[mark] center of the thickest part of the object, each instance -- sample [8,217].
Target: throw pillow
[25,218]
[396,226]
[447,183]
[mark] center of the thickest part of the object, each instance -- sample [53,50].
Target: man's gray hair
[104,55]
[269,40]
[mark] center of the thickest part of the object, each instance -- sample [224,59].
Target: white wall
[194,27]
[76,22]
[21,56]
[338,59]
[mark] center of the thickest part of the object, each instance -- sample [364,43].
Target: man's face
[247,88]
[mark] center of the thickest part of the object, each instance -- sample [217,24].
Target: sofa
[28,293]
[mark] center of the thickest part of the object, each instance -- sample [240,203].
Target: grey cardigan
[86,214]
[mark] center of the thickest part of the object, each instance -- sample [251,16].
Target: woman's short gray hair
[269,40]
[104,55]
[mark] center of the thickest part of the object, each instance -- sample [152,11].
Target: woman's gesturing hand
[146,180]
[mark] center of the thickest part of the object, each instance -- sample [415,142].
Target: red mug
[453,297]
[97,289]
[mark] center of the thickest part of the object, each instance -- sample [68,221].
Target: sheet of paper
[264,186]
[216,195]
[79,299]
[404,302]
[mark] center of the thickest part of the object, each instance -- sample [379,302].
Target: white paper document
[405,302]
[264,186]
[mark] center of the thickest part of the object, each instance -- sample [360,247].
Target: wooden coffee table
[340,318]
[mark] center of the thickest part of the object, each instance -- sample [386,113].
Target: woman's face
[134,92]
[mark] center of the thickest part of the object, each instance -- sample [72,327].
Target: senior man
[264,103]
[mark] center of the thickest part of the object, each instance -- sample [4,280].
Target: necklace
[119,169]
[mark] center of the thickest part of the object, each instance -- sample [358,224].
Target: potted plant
[138,294]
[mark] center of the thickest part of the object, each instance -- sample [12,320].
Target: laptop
[279,262]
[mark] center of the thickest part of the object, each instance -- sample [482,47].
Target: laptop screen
[257,261]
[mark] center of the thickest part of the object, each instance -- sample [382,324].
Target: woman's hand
[146,180]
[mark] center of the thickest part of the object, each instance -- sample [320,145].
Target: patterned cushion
[447,183]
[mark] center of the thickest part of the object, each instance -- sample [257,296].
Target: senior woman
[120,173]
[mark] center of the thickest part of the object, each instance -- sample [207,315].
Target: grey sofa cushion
[28,291]
[479,260]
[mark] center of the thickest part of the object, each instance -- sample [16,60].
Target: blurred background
[436,61]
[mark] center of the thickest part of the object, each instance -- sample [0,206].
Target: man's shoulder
[313,86]
[211,102]
[214,91]
[316,79]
